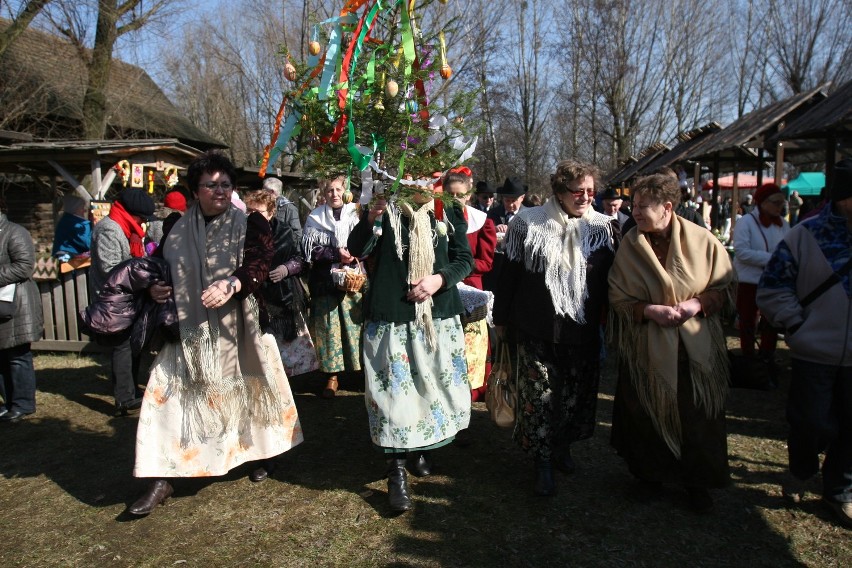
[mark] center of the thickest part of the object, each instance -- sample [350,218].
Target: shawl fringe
[539,241]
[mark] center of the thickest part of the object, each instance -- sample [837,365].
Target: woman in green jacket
[417,393]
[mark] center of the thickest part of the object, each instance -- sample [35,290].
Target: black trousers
[819,412]
[125,371]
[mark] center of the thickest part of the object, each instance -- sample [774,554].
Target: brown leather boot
[157,493]
[330,387]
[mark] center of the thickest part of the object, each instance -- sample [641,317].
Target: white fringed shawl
[321,229]
[546,239]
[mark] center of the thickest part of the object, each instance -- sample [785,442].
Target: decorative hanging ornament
[314,47]
[411,106]
[392,88]
[379,106]
[446,70]
[347,197]
[444,1]
[171,175]
[290,71]
[123,169]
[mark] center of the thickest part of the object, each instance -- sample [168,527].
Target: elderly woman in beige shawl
[667,286]
[218,395]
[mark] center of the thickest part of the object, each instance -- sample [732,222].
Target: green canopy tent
[807,184]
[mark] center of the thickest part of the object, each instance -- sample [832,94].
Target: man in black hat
[511,194]
[611,201]
[116,238]
[484,196]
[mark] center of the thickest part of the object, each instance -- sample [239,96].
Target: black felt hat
[484,187]
[611,192]
[512,187]
[137,202]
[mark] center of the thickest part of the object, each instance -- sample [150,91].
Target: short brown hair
[262,197]
[659,188]
[569,170]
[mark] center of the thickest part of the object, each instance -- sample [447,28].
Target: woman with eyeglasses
[335,319]
[482,238]
[670,281]
[756,235]
[218,395]
[283,294]
[552,295]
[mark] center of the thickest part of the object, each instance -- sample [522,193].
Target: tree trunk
[94,101]
[19,24]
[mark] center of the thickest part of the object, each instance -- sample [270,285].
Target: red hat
[175,200]
[764,191]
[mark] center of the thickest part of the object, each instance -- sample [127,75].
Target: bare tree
[809,41]
[113,19]
[20,22]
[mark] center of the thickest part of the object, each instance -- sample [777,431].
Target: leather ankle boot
[157,493]
[564,462]
[544,484]
[398,486]
[264,470]
[418,465]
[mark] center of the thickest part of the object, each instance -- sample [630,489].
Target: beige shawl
[696,262]
[220,375]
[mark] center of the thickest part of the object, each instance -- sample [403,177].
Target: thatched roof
[47,73]
[687,140]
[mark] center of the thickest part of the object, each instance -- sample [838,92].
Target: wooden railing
[61,300]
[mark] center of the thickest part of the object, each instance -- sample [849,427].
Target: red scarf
[132,230]
[766,220]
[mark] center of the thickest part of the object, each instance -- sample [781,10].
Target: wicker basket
[349,279]
[478,313]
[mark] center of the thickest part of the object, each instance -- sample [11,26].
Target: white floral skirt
[158,436]
[415,398]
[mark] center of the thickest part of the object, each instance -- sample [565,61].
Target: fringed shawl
[220,373]
[545,239]
[321,228]
[696,262]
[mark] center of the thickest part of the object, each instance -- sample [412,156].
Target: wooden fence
[61,300]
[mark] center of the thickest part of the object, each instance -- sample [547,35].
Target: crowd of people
[236,295]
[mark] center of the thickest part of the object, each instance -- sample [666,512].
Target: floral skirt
[299,355]
[558,393]
[335,324]
[159,452]
[476,352]
[415,398]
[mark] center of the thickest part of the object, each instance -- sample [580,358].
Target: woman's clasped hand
[672,316]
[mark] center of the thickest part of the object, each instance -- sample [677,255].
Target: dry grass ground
[65,483]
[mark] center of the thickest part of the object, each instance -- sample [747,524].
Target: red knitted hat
[175,200]
[764,191]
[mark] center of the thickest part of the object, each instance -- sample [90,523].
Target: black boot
[418,465]
[398,486]
[564,462]
[262,471]
[544,484]
[157,493]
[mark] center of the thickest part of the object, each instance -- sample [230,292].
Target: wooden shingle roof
[52,70]
[740,139]
[831,116]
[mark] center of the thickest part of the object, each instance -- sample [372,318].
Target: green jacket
[385,298]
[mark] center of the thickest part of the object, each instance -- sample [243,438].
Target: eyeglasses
[579,193]
[213,186]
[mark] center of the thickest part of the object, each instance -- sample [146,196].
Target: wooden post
[779,163]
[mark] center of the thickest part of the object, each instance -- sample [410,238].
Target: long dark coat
[17,263]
